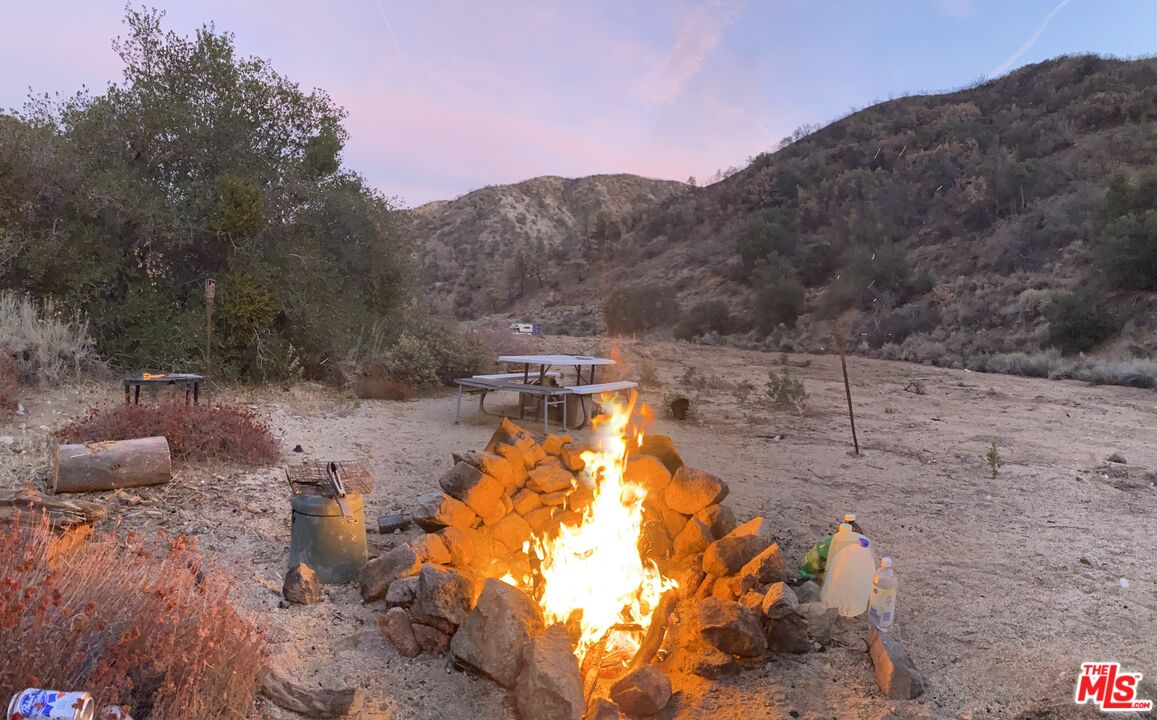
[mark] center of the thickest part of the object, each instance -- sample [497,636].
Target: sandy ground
[1006,584]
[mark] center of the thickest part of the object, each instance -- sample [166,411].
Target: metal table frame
[191,382]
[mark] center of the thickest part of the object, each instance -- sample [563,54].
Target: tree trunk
[111,464]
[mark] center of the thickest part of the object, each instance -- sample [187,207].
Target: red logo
[1111,689]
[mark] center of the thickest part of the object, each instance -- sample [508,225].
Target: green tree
[779,295]
[772,232]
[1080,321]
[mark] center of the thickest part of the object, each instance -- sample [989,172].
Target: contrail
[1004,66]
[390,29]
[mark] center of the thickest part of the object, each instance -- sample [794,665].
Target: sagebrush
[786,391]
[45,344]
[197,433]
[152,630]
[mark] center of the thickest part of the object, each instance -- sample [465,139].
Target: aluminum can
[37,704]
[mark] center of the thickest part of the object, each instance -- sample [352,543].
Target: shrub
[9,384]
[44,342]
[785,391]
[711,316]
[382,387]
[195,433]
[635,309]
[1080,321]
[1039,365]
[1129,373]
[1128,251]
[770,233]
[153,631]
[422,351]
[779,297]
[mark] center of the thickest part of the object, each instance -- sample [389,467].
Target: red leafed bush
[227,433]
[152,630]
[9,383]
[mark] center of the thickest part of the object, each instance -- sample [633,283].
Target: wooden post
[840,345]
[210,294]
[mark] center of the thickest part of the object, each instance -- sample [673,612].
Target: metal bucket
[322,538]
[37,704]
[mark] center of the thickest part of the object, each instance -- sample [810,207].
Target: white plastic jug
[848,583]
[844,537]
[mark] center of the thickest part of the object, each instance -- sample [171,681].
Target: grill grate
[312,478]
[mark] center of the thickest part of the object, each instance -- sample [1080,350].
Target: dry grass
[222,433]
[46,344]
[9,383]
[150,630]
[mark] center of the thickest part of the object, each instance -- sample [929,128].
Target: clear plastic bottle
[882,605]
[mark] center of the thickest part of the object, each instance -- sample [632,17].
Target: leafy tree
[705,317]
[773,232]
[779,296]
[1128,251]
[197,164]
[1080,321]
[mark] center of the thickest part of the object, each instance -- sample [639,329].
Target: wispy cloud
[697,37]
[389,29]
[1007,64]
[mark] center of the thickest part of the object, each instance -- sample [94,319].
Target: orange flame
[593,571]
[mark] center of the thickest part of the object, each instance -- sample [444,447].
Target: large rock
[430,548]
[751,527]
[467,546]
[432,640]
[572,457]
[660,446]
[550,478]
[729,555]
[525,501]
[694,538]
[644,691]
[402,592]
[377,574]
[896,674]
[649,473]
[702,659]
[439,510]
[766,567]
[692,490]
[494,465]
[301,585]
[654,544]
[540,518]
[446,593]
[820,620]
[719,518]
[549,687]
[555,499]
[517,462]
[494,635]
[808,592]
[481,493]
[787,630]
[512,531]
[581,497]
[673,520]
[552,445]
[507,432]
[603,709]
[400,632]
[731,628]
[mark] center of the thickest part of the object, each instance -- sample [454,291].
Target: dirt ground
[1006,584]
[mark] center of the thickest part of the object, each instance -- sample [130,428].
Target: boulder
[644,691]
[301,585]
[532,452]
[692,490]
[539,519]
[494,465]
[552,445]
[549,687]
[512,531]
[480,492]
[555,499]
[820,620]
[694,538]
[377,574]
[400,632]
[525,501]
[752,601]
[494,635]
[704,660]
[602,709]
[649,473]
[549,478]
[896,674]
[766,567]
[751,527]
[432,640]
[724,589]
[402,591]
[430,548]
[516,462]
[439,510]
[731,628]
[446,593]
[507,432]
[719,518]
[729,555]
[581,497]
[466,546]
[660,446]
[808,592]
[787,630]
[689,574]
[673,520]
[654,544]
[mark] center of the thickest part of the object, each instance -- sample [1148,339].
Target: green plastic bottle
[816,559]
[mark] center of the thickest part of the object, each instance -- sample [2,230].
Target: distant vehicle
[525,328]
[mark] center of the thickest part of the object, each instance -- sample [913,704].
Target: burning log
[653,640]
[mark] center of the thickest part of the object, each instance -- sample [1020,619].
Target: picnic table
[191,382]
[539,382]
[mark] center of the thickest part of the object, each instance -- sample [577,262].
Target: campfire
[586,577]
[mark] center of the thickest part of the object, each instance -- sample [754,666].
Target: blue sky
[445,96]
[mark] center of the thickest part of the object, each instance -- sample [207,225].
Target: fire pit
[585,577]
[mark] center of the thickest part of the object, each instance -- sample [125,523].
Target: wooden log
[111,464]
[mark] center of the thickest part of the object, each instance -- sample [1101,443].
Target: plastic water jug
[848,583]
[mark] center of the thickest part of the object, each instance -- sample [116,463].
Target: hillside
[492,248]
[937,227]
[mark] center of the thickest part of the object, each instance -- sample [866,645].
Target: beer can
[37,704]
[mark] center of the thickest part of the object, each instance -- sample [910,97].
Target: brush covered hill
[1004,217]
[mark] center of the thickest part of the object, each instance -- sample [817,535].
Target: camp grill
[328,530]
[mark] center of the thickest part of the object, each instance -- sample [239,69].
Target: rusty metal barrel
[328,540]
